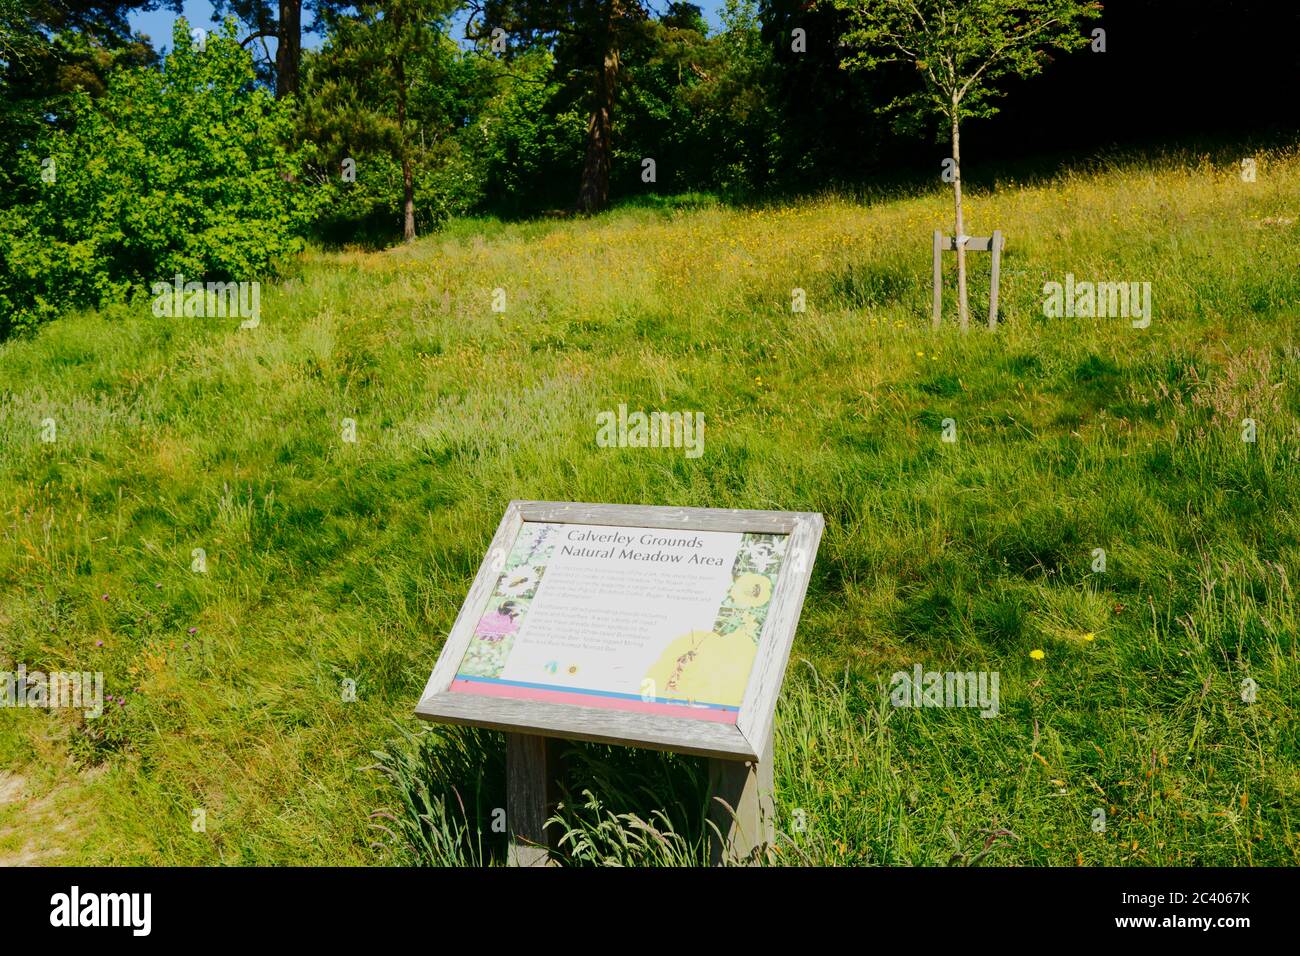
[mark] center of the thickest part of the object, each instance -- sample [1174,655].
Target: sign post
[666,628]
[742,808]
[531,798]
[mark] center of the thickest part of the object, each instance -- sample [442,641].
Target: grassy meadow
[329,560]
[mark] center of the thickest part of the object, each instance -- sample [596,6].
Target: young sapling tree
[962,49]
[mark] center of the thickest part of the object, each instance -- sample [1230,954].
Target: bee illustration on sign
[500,623]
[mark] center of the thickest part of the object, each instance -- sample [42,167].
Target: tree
[588,38]
[524,135]
[662,73]
[961,48]
[825,130]
[180,170]
[48,50]
[388,79]
[279,20]
[699,103]
[288,52]
[51,47]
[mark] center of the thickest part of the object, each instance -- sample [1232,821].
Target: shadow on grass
[900,180]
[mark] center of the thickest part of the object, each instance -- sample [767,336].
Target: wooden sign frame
[749,739]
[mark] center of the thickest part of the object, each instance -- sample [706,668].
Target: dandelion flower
[1037,654]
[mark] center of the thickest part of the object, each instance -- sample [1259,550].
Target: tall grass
[329,561]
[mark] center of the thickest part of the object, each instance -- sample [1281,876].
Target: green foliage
[736,114]
[360,105]
[961,48]
[527,139]
[184,170]
[446,183]
[694,103]
[659,64]
[20,38]
[56,46]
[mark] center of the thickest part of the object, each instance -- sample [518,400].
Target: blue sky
[158,24]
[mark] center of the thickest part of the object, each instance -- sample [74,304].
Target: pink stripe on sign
[591,700]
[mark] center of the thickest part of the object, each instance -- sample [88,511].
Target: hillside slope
[329,560]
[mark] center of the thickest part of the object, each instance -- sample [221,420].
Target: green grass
[328,561]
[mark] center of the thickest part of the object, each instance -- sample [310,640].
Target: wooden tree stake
[938,278]
[993,278]
[994,244]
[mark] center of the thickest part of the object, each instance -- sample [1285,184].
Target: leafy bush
[184,170]
[529,143]
[448,181]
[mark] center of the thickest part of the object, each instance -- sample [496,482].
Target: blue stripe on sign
[593,693]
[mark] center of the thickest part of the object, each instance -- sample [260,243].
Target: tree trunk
[408,200]
[288,52]
[593,194]
[962,312]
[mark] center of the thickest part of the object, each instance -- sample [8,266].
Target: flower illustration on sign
[705,666]
[751,590]
[496,625]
